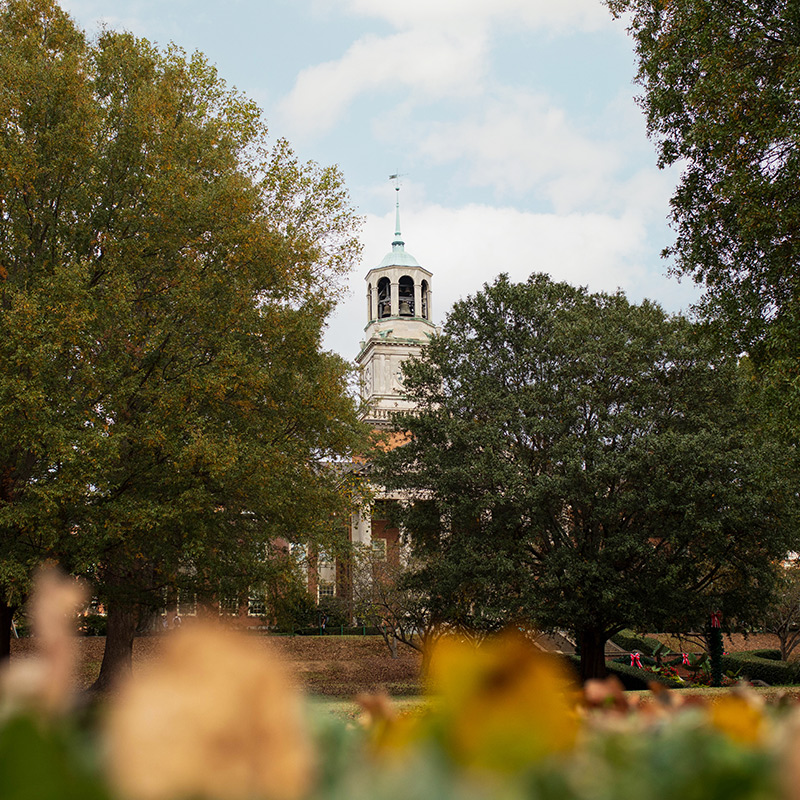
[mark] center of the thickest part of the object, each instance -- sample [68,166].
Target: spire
[398,241]
[398,257]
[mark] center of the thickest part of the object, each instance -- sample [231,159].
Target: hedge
[772,655]
[630,677]
[755,668]
[630,641]
[330,630]
[626,660]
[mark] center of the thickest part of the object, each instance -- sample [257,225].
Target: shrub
[630,677]
[334,611]
[626,660]
[630,641]
[93,625]
[772,655]
[753,667]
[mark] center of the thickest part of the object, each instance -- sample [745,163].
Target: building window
[187,604]
[405,294]
[326,589]
[229,606]
[256,607]
[325,559]
[379,549]
[384,298]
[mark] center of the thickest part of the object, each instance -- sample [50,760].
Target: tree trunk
[117,662]
[6,615]
[783,635]
[592,645]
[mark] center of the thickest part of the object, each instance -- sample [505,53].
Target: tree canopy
[583,463]
[721,83]
[166,409]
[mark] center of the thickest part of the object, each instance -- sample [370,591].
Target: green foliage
[646,660]
[782,616]
[628,640]
[721,87]
[772,655]
[721,84]
[635,678]
[333,610]
[583,462]
[753,667]
[93,625]
[47,763]
[166,411]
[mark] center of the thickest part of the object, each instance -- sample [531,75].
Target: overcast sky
[513,123]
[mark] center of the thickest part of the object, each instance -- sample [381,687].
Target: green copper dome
[398,257]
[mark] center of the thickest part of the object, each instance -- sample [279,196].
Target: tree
[721,85]
[383,599]
[783,615]
[185,422]
[46,125]
[584,463]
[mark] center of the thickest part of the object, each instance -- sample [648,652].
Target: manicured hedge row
[330,630]
[630,677]
[630,641]
[753,667]
[772,655]
[626,660]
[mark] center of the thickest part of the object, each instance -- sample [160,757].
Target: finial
[397,240]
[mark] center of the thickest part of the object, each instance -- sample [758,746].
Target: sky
[513,124]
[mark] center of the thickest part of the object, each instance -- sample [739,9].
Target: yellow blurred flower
[739,716]
[503,704]
[215,717]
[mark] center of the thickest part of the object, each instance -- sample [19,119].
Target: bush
[334,611]
[756,668]
[632,642]
[330,630]
[630,677]
[772,655]
[93,625]
[626,660]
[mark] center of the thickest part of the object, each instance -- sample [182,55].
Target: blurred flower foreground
[218,717]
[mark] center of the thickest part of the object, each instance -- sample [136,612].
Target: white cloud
[429,62]
[554,15]
[442,48]
[94,15]
[519,142]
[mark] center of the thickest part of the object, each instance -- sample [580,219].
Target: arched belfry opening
[384,298]
[405,294]
[424,300]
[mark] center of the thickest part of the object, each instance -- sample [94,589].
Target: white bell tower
[399,324]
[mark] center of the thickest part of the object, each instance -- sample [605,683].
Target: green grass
[350,710]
